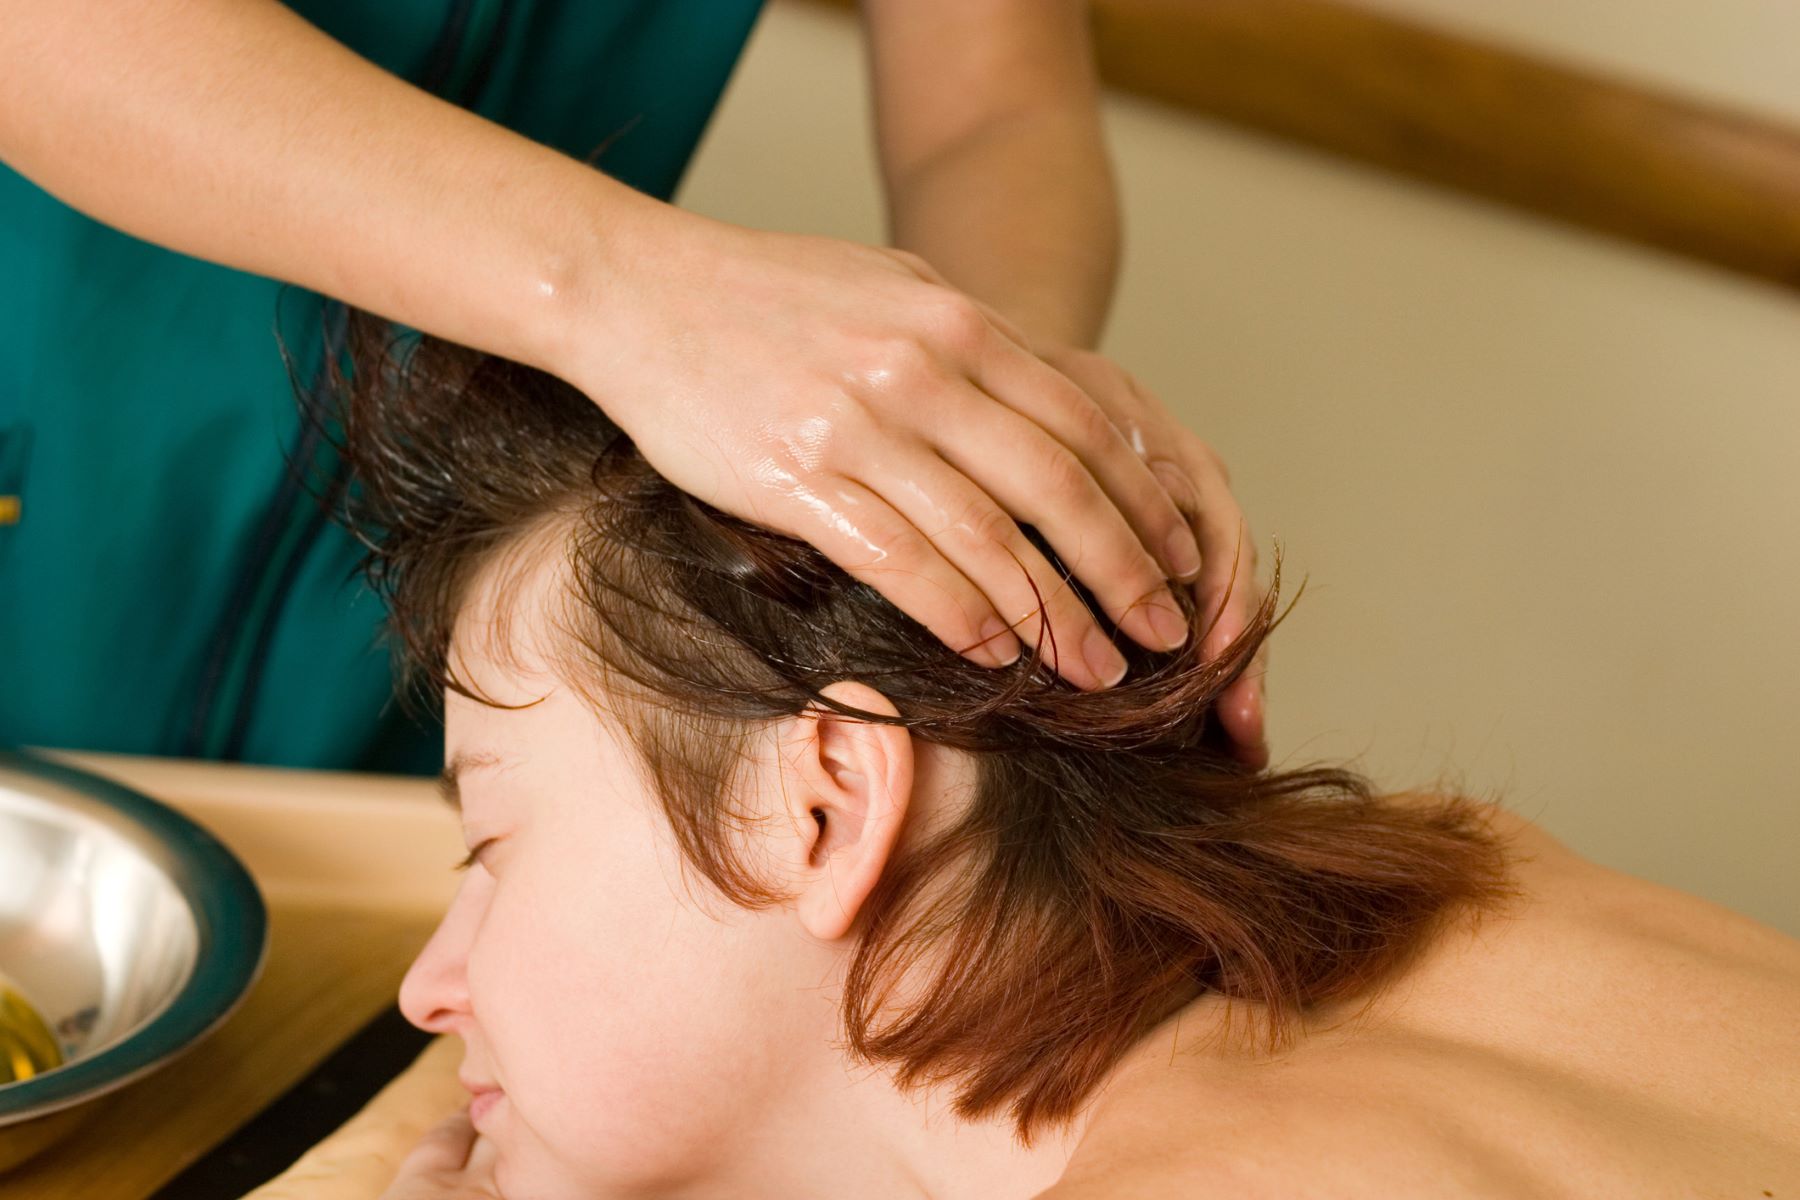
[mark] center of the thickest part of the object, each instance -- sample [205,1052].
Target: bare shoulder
[1324,1149]
[1499,1064]
[1567,885]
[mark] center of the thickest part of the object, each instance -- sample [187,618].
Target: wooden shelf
[1607,154]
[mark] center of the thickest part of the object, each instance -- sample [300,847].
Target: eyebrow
[448,781]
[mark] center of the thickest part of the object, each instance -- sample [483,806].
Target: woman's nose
[435,993]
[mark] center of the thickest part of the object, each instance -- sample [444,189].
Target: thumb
[444,1148]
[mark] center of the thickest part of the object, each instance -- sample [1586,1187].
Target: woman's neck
[860,1136]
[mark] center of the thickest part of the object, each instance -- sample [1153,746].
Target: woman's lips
[482,1103]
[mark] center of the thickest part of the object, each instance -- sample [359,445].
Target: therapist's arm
[988,131]
[997,174]
[234,131]
[804,384]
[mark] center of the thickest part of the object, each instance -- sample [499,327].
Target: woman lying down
[773,896]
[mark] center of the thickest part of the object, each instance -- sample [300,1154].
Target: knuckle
[1131,577]
[1069,617]
[958,324]
[1035,614]
[822,439]
[1180,492]
[1133,586]
[986,524]
[1090,424]
[1065,477]
[903,544]
[847,423]
[1150,579]
[904,362]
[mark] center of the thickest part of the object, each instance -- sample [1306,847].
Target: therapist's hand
[451,1162]
[845,395]
[1196,478]
[358,1160]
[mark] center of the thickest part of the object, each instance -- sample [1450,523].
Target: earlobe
[853,790]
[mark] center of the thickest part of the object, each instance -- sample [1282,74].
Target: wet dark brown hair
[1114,863]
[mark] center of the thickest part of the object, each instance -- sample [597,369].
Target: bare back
[1602,1037]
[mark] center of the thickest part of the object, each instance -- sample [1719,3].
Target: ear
[847,798]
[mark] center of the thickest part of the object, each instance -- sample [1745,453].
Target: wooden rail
[1603,153]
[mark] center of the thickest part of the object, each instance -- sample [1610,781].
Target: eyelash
[474,854]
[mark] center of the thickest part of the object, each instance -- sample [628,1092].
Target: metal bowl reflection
[132,930]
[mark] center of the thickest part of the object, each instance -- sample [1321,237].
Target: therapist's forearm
[234,131]
[1023,214]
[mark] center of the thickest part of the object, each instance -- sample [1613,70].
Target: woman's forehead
[545,747]
[509,622]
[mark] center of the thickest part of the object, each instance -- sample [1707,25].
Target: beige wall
[1736,52]
[1541,486]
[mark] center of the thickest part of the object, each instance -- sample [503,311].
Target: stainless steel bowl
[131,929]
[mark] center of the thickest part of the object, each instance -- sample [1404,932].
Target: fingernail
[998,645]
[1183,554]
[1103,658]
[1170,626]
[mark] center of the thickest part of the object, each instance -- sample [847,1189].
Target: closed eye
[474,855]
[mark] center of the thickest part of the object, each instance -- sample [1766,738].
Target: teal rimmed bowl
[132,931]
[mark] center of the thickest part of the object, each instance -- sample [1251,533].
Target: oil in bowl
[127,934]
[27,1047]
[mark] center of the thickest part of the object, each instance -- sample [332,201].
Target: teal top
[167,586]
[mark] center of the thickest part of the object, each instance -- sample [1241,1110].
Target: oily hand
[1197,480]
[846,395]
